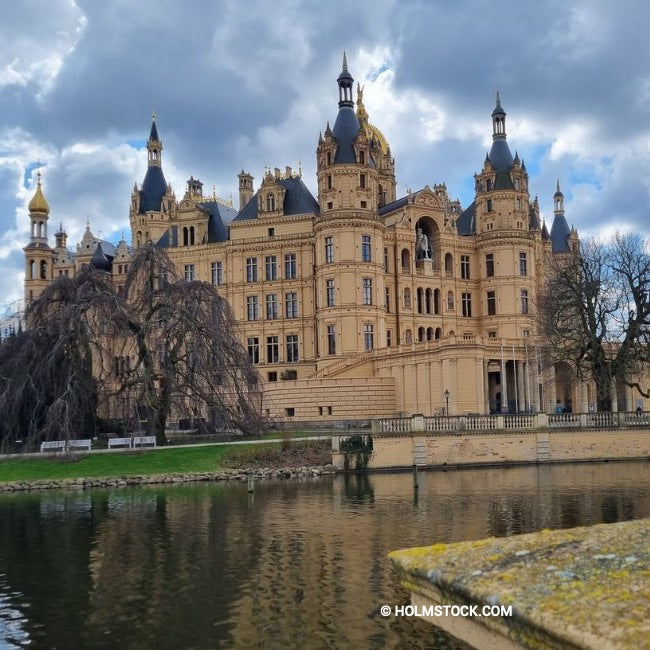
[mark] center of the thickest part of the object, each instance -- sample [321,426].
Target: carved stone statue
[422,246]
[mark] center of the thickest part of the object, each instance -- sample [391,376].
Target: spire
[38,204]
[560,229]
[154,144]
[498,120]
[558,200]
[154,184]
[345,82]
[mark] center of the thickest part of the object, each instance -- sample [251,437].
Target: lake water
[298,564]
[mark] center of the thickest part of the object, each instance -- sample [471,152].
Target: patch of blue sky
[373,74]
[534,157]
[137,143]
[28,172]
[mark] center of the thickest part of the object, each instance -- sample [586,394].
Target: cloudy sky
[247,84]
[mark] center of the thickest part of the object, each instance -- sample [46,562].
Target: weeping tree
[595,314]
[158,347]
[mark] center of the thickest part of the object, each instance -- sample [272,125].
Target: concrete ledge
[579,588]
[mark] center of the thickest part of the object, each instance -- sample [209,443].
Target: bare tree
[596,315]
[163,345]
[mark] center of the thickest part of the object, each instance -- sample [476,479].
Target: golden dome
[371,131]
[38,202]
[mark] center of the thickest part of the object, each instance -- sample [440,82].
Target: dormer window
[488,185]
[270,202]
[362,157]
[329,157]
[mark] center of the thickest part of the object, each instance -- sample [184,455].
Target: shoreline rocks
[227,474]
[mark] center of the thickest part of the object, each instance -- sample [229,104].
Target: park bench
[53,445]
[74,445]
[119,442]
[144,441]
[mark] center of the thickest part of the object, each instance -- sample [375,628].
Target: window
[492,335]
[517,183]
[271,232]
[367,291]
[253,344]
[389,338]
[386,259]
[464,267]
[291,304]
[408,337]
[523,264]
[272,306]
[364,204]
[368,337]
[489,265]
[329,181]
[272,349]
[272,376]
[491,303]
[252,312]
[449,265]
[407,298]
[329,157]
[270,202]
[524,301]
[362,157]
[488,184]
[366,252]
[271,267]
[290,412]
[329,250]
[292,348]
[330,205]
[216,273]
[526,333]
[466,302]
[489,205]
[189,272]
[330,292]
[290,266]
[362,181]
[450,301]
[387,299]
[331,339]
[251,269]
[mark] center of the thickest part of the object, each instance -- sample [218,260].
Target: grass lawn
[164,461]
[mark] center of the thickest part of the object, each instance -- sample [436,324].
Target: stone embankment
[122,481]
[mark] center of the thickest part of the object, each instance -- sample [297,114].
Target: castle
[357,302]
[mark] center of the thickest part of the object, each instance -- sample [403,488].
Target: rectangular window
[464,267]
[330,293]
[292,348]
[271,232]
[272,306]
[491,303]
[489,205]
[489,265]
[253,344]
[368,337]
[387,299]
[466,302]
[216,273]
[252,308]
[189,272]
[389,338]
[271,267]
[291,304]
[331,339]
[366,250]
[251,269]
[524,301]
[523,264]
[367,291]
[386,260]
[290,266]
[329,181]
[492,335]
[272,349]
[362,157]
[273,376]
[362,181]
[329,250]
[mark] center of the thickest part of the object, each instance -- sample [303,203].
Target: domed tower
[154,202]
[38,254]
[352,163]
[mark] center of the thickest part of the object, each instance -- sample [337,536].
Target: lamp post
[447,394]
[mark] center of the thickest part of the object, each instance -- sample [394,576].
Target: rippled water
[295,565]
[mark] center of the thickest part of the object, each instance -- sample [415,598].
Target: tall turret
[560,229]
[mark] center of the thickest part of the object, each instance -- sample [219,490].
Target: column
[504,386]
[583,406]
[486,388]
[552,390]
[534,389]
[521,391]
[480,386]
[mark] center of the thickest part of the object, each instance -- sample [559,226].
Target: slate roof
[345,131]
[153,189]
[500,156]
[466,223]
[101,260]
[220,215]
[559,234]
[394,205]
[297,200]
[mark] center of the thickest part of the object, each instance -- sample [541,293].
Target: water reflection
[298,565]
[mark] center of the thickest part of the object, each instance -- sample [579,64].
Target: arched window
[436,301]
[450,301]
[138,238]
[32,270]
[406,260]
[270,202]
[43,270]
[408,337]
[191,235]
[429,333]
[41,229]
[438,333]
[449,264]
[186,237]
[427,301]
[420,299]
[420,334]
[407,298]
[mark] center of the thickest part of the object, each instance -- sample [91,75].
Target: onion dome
[38,204]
